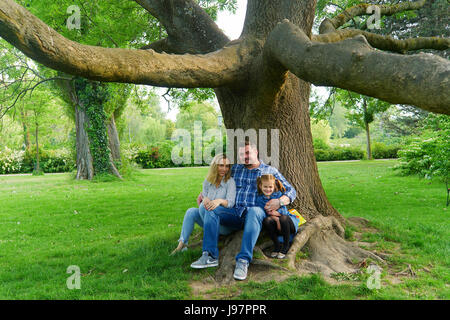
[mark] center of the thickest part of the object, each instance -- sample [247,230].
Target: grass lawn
[120,234]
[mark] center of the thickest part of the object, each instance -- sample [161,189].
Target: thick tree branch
[422,80]
[386,42]
[159,46]
[330,25]
[190,29]
[43,44]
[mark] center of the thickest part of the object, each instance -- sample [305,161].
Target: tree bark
[84,158]
[367,129]
[289,114]
[85,166]
[113,139]
[419,79]
[369,148]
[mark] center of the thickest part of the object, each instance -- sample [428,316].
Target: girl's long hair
[269,177]
[213,173]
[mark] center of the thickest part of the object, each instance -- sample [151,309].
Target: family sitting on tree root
[230,201]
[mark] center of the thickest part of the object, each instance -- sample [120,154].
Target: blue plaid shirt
[246,190]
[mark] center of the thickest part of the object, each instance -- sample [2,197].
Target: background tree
[403,120]
[144,122]
[262,81]
[362,112]
[38,109]
[102,24]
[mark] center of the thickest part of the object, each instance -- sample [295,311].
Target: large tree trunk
[289,114]
[274,99]
[85,161]
[279,100]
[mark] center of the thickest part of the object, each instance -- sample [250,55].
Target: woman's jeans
[196,216]
[250,221]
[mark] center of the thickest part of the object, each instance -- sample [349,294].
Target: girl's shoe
[281,255]
[274,254]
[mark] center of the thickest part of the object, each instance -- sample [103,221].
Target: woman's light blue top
[225,190]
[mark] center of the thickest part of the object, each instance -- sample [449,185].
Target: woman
[219,189]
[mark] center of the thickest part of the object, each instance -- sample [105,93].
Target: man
[244,214]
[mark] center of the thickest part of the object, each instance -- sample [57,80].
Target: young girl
[279,221]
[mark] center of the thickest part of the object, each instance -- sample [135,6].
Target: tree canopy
[347,57]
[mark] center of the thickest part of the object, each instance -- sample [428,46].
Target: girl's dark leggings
[287,228]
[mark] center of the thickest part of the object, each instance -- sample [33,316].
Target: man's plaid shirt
[246,190]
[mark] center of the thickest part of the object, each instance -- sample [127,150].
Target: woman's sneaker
[205,261]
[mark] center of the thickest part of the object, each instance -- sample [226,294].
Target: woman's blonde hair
[269,177]
[213,173]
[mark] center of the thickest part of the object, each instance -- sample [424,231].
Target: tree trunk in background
[26,131]
[38,168]
[369,148]
[85,167]
[366,127]
[113,139]
[84,158]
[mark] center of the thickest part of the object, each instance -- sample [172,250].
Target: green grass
[120,234]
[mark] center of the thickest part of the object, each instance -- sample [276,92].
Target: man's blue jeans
[195,216]
[251,221]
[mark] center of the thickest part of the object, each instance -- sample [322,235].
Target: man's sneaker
[240,271]
[205,261]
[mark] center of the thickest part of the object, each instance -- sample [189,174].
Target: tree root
[323,237]
[328,251]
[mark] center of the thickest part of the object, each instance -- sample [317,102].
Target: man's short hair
[247,142]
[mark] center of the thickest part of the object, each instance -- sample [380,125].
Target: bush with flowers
[11,160]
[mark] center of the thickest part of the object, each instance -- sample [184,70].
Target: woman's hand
[205,201]
[212,204]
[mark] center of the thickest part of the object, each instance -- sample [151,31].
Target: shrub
[153,156]
[147,158]
[320,144]
[339,153]
[382,151]
[11,160]
[427,157]
[49,161]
